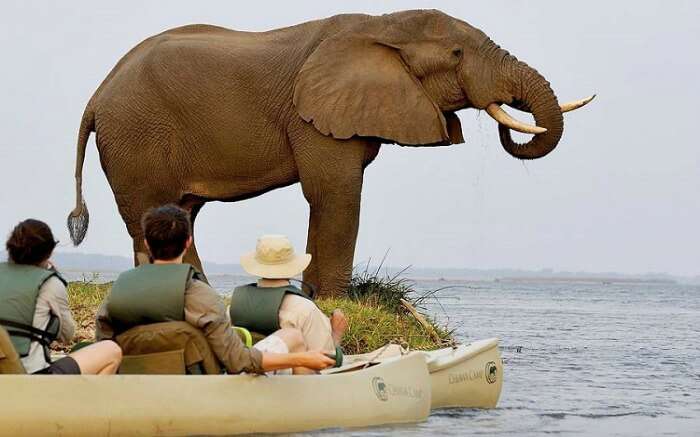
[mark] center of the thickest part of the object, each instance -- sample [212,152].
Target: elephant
[202,113]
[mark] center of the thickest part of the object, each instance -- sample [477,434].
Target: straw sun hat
[274,258]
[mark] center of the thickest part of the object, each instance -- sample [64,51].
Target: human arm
[54,296]
[205,310]
[311,360]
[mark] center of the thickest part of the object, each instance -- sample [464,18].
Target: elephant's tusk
[501,116]
[570,106]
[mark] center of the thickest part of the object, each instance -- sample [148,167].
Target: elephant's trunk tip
[77,222]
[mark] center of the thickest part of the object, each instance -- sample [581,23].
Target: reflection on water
[583,359]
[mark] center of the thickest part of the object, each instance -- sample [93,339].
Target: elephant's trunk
[531,92]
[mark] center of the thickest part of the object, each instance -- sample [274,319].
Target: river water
[580,359]
[584,359]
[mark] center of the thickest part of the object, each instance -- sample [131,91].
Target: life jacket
[257,308]
[150,293]
[19,289]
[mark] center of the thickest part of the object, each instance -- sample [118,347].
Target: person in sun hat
[273,302]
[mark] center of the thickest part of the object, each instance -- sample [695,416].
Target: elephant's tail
[79,218]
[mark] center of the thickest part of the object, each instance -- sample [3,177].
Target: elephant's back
[188,91]
[197,84]
[188,68]
[209,53]
[171,63]
[171,49]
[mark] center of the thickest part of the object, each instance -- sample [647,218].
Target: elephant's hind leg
[131,208]
[193,206]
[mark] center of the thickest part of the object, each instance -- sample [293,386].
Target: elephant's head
[400,77]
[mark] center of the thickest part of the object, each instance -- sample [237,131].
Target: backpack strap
[44,338]
[311,287]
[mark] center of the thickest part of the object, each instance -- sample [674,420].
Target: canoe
[467,376]
[394,391]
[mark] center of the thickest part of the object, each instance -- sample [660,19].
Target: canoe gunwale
[442,362]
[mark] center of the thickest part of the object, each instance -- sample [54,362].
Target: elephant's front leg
[333,224]
[331,174]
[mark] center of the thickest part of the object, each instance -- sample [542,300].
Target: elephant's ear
[357,86]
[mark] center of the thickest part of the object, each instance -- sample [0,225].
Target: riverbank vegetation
[380,309]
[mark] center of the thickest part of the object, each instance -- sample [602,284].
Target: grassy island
[380,310]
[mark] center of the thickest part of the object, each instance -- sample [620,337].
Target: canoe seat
[249,338]
[256,337]
[10,363]
[166,348]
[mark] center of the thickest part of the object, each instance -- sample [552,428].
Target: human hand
[315,360]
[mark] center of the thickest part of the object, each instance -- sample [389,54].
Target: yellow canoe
[394,391]
[468,376]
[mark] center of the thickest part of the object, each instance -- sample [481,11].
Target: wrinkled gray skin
[202,113]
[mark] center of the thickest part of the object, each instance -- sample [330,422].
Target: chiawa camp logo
[380,388]
[491,372]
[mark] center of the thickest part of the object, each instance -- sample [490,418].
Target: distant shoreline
[108,275]
[79,263]
[586,279]
[547,279]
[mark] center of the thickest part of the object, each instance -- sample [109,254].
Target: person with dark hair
[170,290]
[34,307]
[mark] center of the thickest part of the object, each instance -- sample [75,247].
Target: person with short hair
[170,290]
[34,307]
[273,302]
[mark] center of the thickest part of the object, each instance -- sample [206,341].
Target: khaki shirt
[304,315]
[52,299]
[204,310]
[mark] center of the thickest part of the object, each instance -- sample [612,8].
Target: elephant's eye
[457,52]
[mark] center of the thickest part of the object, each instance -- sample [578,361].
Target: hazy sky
[619,193]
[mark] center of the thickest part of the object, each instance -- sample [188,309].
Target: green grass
[373,308]
[376,315]
[372,326]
